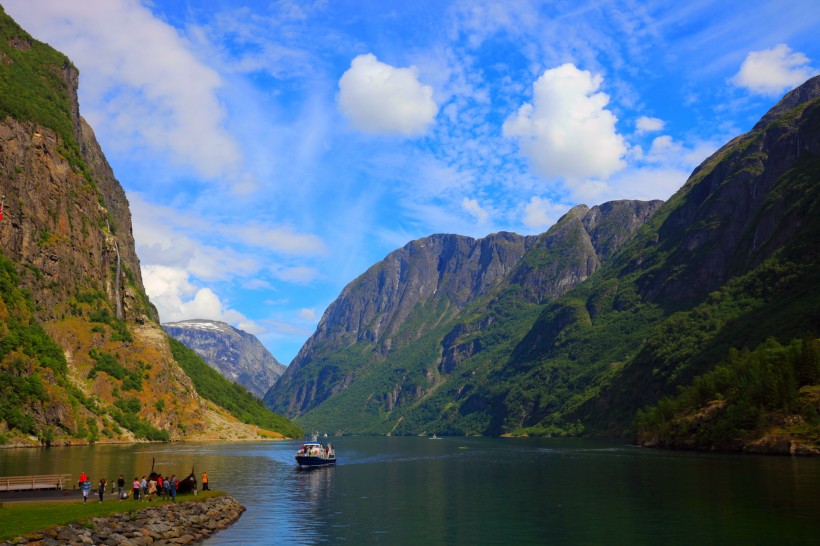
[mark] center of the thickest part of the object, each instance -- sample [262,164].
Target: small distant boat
[434,437]
[313,454]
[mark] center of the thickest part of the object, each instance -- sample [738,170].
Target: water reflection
[478,490]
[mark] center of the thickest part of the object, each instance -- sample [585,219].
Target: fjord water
[478,491]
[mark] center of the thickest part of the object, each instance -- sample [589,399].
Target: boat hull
[307,460]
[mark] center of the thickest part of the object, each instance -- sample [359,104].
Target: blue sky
[272,151]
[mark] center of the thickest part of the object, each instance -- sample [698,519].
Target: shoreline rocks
[164,524]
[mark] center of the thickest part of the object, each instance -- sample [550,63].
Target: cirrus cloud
[382,99]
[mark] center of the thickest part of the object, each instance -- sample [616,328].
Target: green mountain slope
[728,262]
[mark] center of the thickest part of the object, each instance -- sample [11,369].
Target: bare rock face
[237,355]
[54,221]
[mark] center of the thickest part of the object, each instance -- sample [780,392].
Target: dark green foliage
[120,330]
[737,400]
[16,394]
[125,413]
[235,398]
[104,362]
[31,86]
[26,354]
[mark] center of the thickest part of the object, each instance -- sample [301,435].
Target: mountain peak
[803,93]
[236,354]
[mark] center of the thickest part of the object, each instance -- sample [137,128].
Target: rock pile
[165,524]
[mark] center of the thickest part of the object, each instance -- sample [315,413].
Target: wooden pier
[35,483]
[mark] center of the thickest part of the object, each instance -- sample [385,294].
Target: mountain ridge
[438,295]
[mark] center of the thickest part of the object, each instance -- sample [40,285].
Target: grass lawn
[20,518]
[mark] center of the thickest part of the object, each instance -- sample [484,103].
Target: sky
[272,151]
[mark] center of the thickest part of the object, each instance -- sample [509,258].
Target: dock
[34,483]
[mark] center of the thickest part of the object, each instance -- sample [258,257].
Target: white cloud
[295,274]
[178,298]
[475,210]
[646,124]
[141,85]
[772,71]
[379,98]
[282,239]
[567,132]
[542,213]
[308,315]
[647,183]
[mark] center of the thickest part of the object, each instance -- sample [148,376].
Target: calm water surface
[478,491]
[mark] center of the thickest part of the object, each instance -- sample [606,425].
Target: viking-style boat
[185,485]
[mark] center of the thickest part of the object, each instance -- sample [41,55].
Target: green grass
[21,518]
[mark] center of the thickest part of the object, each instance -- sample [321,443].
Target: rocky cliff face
[237,355]
[448,268]
[436,293]
[70,275]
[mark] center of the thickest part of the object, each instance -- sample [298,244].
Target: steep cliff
[82,357]
[402,331]
[237,355]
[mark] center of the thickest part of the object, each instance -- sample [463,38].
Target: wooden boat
[185,485]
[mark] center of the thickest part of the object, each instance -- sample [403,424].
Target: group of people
[146,489]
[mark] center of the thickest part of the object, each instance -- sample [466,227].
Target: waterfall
[117,297]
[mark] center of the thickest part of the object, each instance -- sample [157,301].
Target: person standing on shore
[173,489]
[205,481]
[101,488]
[136,488]
[85,485]
[120,486]
[144,487]
[152,490]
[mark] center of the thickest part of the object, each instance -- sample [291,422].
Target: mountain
[237,355]
[82,356]
[692,324]
[729,262]
[402,331]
